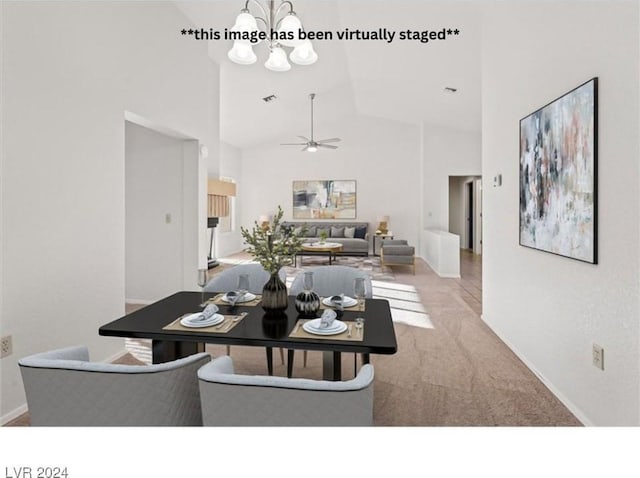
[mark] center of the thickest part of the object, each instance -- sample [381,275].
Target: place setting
[209,320]
[240,296]
[343,302]
[330,327]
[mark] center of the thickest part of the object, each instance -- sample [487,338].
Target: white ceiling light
[277,60]
[285,23]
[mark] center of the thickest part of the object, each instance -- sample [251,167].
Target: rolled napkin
[327,318]
[338,301]
[208,312]
[234,296]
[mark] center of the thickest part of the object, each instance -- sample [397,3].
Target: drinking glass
[359,291]
[308,281]
[243,284]
[202,281]
[359,325]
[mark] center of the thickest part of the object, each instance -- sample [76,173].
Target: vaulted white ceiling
[402,81]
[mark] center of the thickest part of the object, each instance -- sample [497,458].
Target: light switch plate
[598,357]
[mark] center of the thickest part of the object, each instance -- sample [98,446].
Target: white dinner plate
[347,302]
[337,327]
[248,297]
[189,321]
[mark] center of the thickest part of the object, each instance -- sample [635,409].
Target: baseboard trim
[552,388]
[444,276]
[138,301]
[13,414]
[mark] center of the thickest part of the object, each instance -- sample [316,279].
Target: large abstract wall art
[558,175]
[330,199]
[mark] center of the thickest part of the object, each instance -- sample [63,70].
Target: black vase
[274,296]
[307,303]
[274,326]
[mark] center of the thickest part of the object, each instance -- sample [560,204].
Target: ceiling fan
[311,145]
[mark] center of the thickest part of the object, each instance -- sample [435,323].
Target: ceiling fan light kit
[311,145]
[275,19]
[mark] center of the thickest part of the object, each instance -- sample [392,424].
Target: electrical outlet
[6,346]
[598,357]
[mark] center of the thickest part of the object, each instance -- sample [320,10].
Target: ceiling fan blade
[306,140]
[305,148]
[293,144]
[330,140]
[330,146]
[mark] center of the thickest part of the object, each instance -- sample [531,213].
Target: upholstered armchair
[397,252]
[64,388]
[229,399]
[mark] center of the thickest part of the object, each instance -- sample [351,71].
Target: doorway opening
[465,211]
[162,231]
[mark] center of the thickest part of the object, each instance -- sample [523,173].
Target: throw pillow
[337,231]
[349,232]
[298,231]
[311,231]
[326,229]
[361,232]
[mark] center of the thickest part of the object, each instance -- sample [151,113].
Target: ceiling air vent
[450,90]
[269,98]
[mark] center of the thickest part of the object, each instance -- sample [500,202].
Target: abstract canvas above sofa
[324,199]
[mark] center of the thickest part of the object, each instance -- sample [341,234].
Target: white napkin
[208,312]
[327,318]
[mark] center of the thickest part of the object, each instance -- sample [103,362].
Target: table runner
[299,333]
[218,301]
[223,327]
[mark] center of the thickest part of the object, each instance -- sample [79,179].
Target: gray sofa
[352,246]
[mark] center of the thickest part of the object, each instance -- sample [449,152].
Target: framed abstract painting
[324,199]
[559,175]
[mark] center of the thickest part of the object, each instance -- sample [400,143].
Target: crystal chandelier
[281,30]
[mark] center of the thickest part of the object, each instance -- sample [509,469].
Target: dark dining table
[256,329]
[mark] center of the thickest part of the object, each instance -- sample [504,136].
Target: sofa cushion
[361,232]
[311,232]
[326,229]
[349,232]
[298,231]
[337,231]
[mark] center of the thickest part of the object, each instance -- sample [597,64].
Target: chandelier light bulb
[291,24]
[245,22]
[304,54]
[242,54]
[277,60]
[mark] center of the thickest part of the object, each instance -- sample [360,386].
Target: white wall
[154,178]
[70,72]
[551,309]
[446,153]
[382,156]
[231,167]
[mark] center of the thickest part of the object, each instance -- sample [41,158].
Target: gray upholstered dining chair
[229,399]
[227,281]
[64,388]
[331,280]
